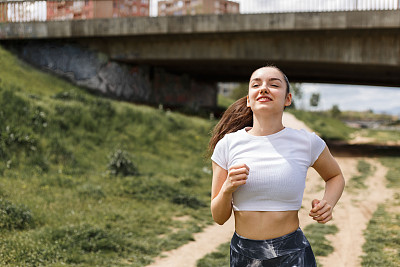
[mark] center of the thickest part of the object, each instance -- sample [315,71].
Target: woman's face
[267,91]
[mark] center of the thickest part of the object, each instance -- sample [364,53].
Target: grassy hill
[88,181]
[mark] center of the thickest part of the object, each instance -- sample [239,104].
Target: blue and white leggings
[291,250]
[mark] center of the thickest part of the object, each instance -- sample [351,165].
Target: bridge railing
[283,6]
[31,10]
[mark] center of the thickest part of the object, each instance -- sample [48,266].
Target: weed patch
[393,175]
[14,217]
[382,246]
[316,236]
[219,258]
[120,163]
[358,182]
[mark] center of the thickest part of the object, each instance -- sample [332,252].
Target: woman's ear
[248,101]
[288,100]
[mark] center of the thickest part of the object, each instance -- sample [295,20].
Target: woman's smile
[264,98]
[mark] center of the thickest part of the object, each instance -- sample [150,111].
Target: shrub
[39,119]
[14,216]
[88,238]
[149,188]
[189,201]
[120,164]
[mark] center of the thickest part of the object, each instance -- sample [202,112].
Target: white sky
[258,6]
[354,97]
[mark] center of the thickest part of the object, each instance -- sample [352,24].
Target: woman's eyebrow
[271,79]
[275,79]
[255,79]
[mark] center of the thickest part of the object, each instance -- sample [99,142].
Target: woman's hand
[321,211]
[237,176]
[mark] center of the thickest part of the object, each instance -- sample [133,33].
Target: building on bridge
[3,12]
[89,9]
[193,7]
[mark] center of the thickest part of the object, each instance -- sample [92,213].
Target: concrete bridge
[356,47]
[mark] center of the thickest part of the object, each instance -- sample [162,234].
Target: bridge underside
[312,72]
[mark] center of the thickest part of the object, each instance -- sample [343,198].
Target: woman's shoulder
[301,134]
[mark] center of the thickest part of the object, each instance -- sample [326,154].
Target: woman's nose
[263,90]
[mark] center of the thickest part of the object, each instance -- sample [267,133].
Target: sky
[353,97]
[251,6]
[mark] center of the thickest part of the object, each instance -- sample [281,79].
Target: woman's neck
[263,125]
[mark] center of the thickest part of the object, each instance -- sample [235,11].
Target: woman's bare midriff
[262,225]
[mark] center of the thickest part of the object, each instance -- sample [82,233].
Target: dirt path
[351,216]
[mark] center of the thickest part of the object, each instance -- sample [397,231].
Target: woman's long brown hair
[236,117]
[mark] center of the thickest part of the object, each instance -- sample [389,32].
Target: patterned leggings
[291,250]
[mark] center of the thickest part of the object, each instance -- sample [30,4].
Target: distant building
[90,9]
[3,12]
[193,7]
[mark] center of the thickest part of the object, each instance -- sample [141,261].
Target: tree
[297,92]
[240,91]
[335,111]
[314,99]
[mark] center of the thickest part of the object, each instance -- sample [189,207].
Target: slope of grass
[321,122]
[62,200]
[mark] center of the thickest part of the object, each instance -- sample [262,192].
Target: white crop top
[278,166]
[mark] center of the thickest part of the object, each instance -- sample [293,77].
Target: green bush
[13,216]
[87,238]
[120,163]
[149,188]
[189,201]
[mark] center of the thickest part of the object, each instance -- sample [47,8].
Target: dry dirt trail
[351,216]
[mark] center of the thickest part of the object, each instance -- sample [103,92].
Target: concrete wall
[95,71]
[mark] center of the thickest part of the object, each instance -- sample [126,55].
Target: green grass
[358,182]
[316,233]
[382,246]
[88,181]
[219,258]
[393,175]
[380,136]
[321,122]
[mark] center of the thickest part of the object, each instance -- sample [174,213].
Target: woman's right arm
[224,183]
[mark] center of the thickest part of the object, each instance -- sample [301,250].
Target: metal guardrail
[31,10]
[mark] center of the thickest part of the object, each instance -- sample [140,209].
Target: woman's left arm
[330,171]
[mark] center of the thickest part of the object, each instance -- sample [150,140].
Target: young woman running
[259,171]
